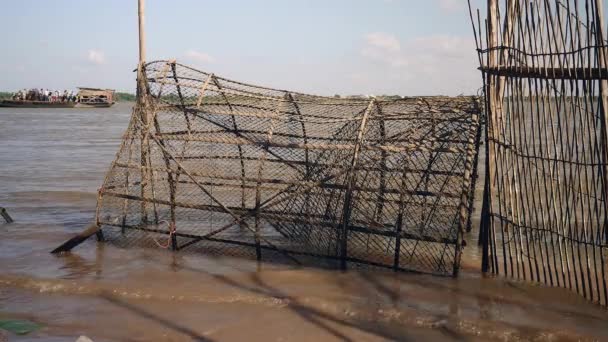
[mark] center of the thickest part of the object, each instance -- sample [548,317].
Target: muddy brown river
[53,160]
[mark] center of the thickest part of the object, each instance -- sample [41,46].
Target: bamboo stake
[350,183]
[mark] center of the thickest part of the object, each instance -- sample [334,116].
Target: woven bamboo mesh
[224,167]
[545,73]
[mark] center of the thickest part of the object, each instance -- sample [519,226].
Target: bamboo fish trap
[216,164]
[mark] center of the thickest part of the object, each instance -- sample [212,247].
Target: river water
[53,161]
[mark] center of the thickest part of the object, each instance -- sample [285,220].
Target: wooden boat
[95,97]
[36,104]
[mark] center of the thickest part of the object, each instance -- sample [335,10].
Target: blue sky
[406,47]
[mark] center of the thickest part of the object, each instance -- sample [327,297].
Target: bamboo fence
[545,72]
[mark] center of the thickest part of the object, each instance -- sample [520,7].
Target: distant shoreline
[118,96]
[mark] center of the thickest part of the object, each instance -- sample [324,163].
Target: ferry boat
[36,104]
[94,97]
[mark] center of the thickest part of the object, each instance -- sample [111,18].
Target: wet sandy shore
[113,294]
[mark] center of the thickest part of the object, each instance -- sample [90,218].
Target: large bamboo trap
[218,165]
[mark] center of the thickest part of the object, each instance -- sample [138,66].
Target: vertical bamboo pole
[350,183]
[466,192]
[484,228]
[142,33]
[603,64]
[399,225]
[258,190]
[143,110]
[492,41]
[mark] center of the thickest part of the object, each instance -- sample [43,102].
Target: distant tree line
[5,95]
[124,97]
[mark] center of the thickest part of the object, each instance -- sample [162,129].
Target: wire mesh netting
[224,167]
[544,65]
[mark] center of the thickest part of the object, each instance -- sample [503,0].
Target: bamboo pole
[492,42]
[142,33]
[144,110]
[350,184]
[258,190]
[603,62]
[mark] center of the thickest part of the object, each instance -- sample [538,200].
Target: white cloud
[432,64]
[199,57]
[383,41]
[451,5]
[96,56]
[79,69]
[384,48]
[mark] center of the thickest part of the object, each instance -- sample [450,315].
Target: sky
[324,47]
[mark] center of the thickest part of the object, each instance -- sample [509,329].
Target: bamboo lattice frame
[545,71]
[241,169]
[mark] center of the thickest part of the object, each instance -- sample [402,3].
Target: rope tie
[172,229]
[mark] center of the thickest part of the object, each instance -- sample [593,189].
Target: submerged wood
[78,239]
[5,215]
